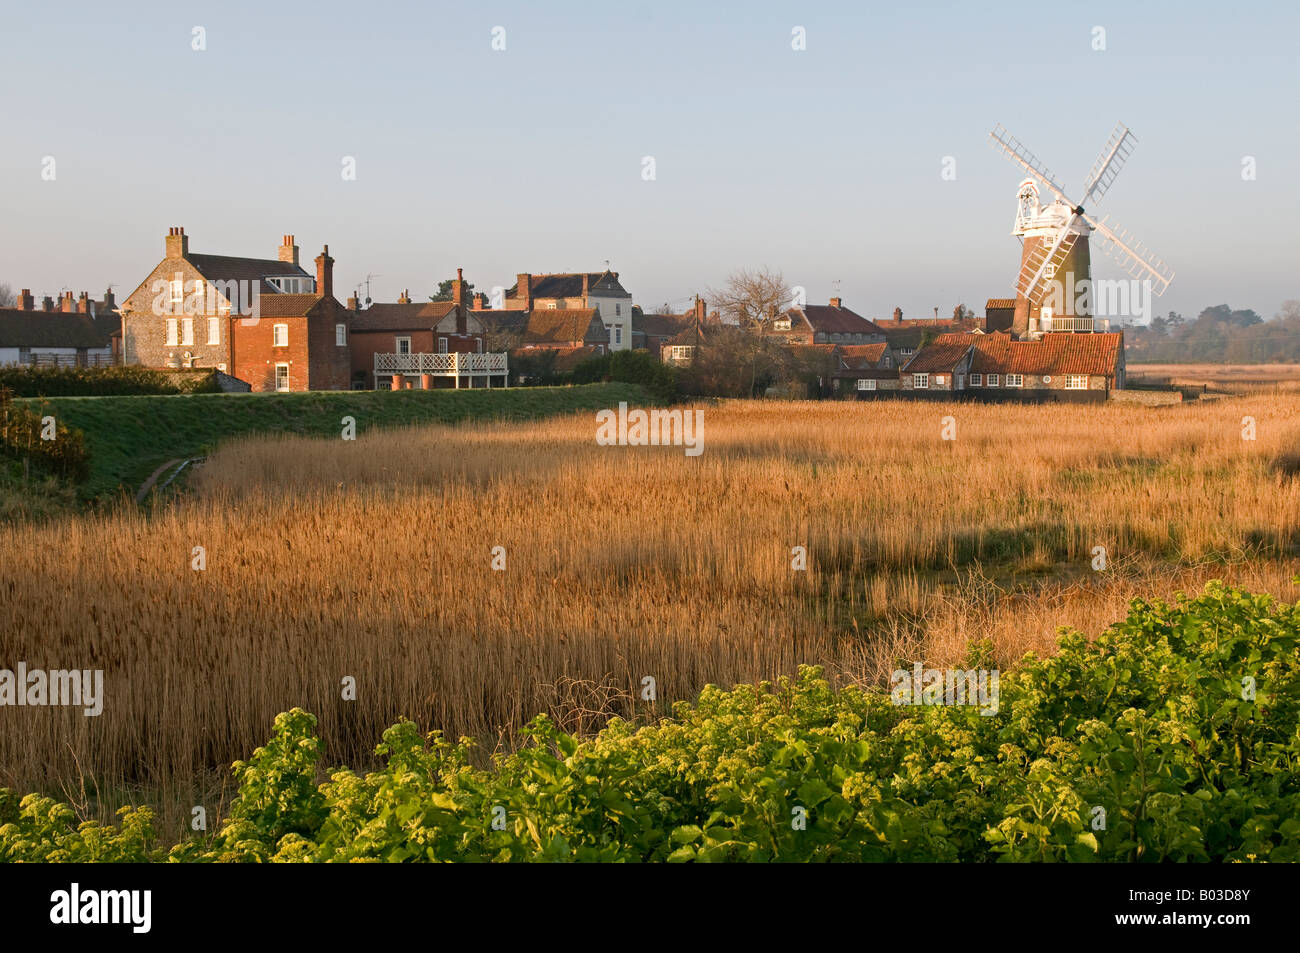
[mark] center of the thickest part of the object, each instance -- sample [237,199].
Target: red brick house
[265,322]
[650,332]
[866,370]
[413,328]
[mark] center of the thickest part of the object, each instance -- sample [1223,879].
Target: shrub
[21,433]
[120,380]
[1179,723]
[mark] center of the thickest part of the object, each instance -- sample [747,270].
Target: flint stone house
[266,322]
[1058,367]
[866,370]
[939,368]
[598,291]
[84,333]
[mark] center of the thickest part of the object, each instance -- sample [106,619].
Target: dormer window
[293,285]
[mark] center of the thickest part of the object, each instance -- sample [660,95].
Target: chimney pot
[25,301]
[178,244]
[83,304]
[288,250]
[835,302]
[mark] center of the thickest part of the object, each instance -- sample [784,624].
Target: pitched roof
[417,316]
[37,329]
[229,268]
[287,306]
[1057,353]
[862,356]
[566,358]
[503,322]
[559,326]
[569,285]
[661,325]
[826,319]
[940,356]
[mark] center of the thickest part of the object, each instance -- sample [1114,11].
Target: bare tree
[751,299]
[7,299]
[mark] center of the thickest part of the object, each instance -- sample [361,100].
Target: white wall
[615,311]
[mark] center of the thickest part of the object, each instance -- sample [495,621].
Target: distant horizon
[825,163]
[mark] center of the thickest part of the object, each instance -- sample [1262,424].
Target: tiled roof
[1059,353]
[995,303]
[559,326]
[286,306]
[826,319]
[228,268]
[661,325]
[37,329]
[859,356]
[503,322]
[940,356]
[566,358]
[569,285]
[416,316]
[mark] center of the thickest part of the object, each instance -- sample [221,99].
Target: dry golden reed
[373,559]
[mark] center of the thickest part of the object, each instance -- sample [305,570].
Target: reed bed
[373,560]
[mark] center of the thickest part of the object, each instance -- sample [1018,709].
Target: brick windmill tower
[1054,291]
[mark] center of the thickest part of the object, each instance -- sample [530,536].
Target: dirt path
[153,478]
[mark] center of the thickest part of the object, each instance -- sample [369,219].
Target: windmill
[1055,259]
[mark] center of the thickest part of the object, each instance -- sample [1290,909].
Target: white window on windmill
[1045,322]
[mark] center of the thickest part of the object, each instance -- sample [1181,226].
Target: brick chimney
[699,308]
[352,303]
[835,302]
[178,243]
[524,290]
[66,304]
[47,303]
[83,304]
[458,289]
[898,315]
[586,283]
[110,303]
[325,273]
[956,313]
[25,300]
[404,297]
[480,301]
[288,250]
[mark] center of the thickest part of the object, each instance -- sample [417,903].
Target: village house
[866,370]
[824,324]
[1060,366]
[650,332]
[266,322]
[905,335]
[81,333]
[423,345]
[939,368]
[598,291]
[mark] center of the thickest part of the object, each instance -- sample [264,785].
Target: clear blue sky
[823,163]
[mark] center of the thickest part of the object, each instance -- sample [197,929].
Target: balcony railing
[442,365]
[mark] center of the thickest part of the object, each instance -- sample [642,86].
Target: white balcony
[442,365]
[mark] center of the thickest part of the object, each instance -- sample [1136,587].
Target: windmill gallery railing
[442,365]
